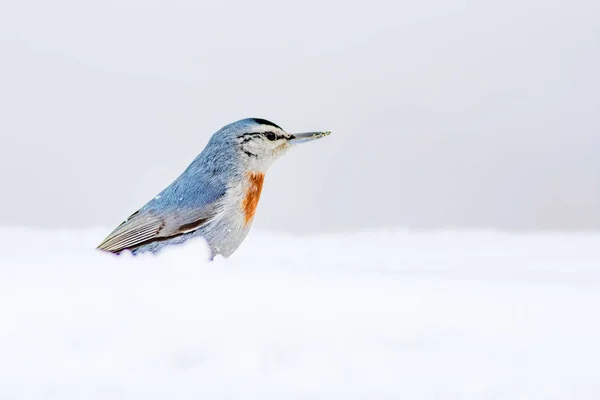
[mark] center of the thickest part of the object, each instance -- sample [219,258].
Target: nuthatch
[215,197]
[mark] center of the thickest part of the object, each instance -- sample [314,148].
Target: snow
[383,315]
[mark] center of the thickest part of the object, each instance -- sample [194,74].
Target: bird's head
[259,142]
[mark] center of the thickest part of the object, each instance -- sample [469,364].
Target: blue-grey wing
[172,213]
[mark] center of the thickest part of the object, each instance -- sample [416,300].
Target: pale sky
[444,113]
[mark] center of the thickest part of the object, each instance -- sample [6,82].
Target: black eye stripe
[250,134]
[246,137]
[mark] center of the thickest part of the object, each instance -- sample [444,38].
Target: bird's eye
[271,136]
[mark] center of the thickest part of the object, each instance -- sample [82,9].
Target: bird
[215,197]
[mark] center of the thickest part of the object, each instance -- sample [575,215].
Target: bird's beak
[297,138]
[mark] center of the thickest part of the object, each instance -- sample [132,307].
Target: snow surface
[388,315]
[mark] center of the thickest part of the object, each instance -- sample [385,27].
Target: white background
[444,113]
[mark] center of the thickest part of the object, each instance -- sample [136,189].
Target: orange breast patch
[255,180]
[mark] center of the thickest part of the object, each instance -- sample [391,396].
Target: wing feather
[135,230]
[147,226]
[166,215]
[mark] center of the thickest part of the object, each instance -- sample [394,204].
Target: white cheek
[263,152]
